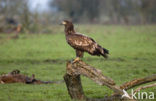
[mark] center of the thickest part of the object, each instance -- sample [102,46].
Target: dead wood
[74,86]
[144,87]
[137,82]
[75,90]
[81,68]
[73,83]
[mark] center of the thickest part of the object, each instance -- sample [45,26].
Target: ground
[132,55]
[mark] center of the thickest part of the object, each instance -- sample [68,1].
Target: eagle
[82,43]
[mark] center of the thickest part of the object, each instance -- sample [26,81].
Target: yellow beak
[63,23]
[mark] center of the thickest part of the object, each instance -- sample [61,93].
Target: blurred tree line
[15,12]
[108,11]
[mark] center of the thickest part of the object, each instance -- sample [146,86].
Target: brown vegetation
[16,77]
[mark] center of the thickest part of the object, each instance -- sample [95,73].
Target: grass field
[132,55]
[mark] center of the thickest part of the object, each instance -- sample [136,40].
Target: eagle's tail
[104,52]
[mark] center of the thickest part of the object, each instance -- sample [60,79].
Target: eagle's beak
[63,23]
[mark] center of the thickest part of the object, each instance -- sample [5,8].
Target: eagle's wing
[80,41]
[85,43]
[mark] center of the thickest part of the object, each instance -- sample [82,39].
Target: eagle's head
[69,27]
[66,23]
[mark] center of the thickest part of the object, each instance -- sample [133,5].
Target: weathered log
[81,68]
[84,69]
[75,89]
[137,82]
[144,87]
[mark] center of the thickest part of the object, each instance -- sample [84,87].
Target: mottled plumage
[82,43]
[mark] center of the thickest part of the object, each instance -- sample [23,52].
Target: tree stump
[74,86]
[75,89]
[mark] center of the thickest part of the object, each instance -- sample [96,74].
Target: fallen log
[73,82]
[81,68]
[137,82]
[74,86]
[144,87]
[75,90]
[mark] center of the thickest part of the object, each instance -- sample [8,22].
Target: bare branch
[144,87]
[74,86]
[137,82]
[81,68]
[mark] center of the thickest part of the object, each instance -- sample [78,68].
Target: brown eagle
[82,43]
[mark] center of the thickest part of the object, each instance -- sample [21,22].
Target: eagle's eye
[64,23]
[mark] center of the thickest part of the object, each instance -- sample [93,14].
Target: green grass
[132,55]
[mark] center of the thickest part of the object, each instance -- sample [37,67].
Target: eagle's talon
[76,59]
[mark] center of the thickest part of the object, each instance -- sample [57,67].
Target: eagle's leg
[79,54]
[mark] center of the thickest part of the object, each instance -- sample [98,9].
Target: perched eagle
[82,43]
